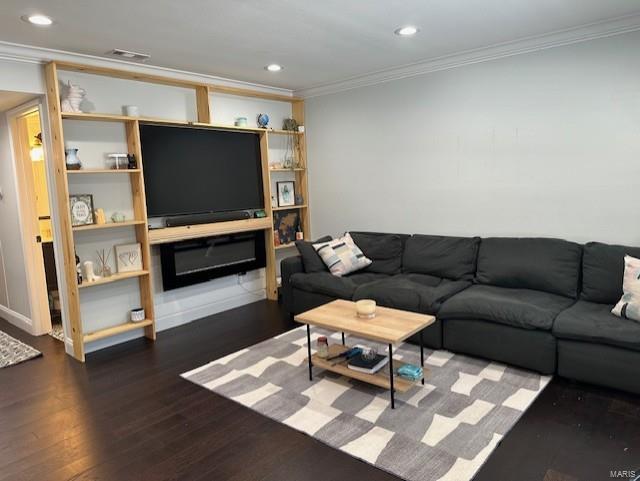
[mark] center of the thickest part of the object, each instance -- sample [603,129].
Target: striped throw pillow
[342,256]
[629,305]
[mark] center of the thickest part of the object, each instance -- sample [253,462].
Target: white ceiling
[317,41]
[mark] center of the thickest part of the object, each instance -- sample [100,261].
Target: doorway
[35,218]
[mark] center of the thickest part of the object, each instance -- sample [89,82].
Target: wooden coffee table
[390,326]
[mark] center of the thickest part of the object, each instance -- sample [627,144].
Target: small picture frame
[286,193]
[81,209]
[129,257]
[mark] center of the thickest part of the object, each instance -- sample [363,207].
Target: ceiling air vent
[127,55]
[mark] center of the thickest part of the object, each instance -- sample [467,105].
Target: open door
[35,215]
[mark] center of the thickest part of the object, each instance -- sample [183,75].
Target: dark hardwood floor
[127,415]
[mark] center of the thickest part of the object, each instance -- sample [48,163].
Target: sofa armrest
[288,267]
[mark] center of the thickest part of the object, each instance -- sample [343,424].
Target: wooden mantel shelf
[176,234]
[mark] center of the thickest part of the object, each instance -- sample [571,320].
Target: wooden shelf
[115,330]
[120,276]
[97,117]
[380,379]
[176,234]
[284,132]
[285,246]
[290,207]
[108,225]
[104,171]
[300,169]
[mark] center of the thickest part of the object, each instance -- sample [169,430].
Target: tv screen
[190,170]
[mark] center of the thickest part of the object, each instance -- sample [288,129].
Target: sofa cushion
[523,308]
[384,250]
[591,322]
[329,285]
[549,265]
[310,258]
[411,292]
[449,257]
[602,271]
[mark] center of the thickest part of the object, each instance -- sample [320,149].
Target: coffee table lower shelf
[380,379]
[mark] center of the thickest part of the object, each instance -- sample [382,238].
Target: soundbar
[206,218]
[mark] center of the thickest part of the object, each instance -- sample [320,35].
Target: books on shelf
[368,366]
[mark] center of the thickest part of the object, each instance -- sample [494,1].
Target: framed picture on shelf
[286,193]
[285,223]
[129,257]
[81,209]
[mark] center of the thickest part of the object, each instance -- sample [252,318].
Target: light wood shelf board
[290,207]
[380,379]
[176,234]
[115,330]
[285,246]
[108,225]
[120,276]
[104,171]
[287,170]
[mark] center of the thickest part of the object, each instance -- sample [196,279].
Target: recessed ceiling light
[407,31]
[273,67]
[39,20]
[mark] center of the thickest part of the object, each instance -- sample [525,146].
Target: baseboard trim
[19,320]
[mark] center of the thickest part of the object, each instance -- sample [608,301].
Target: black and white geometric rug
[14,352]
[444,430]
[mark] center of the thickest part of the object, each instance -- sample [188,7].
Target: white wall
[13,279]
[24,77]
[542,144]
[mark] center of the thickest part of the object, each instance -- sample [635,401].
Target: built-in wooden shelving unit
[71,235]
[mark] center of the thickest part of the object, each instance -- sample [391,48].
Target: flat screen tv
[189,170]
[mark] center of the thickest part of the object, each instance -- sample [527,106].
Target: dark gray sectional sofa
[542,304]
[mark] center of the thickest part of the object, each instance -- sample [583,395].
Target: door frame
[27,214]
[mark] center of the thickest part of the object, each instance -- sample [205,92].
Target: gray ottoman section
[599,364]
[526,348]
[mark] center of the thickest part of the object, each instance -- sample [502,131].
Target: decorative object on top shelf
[286,193]
[275,166]
[81,209]
[99,217]
[72,97]
[299,199]
[241,122]
[118,217]
[72,161]
[103,262]
[290,124]
[89,274]
[118,161]
[129,257]
[137,315]
[131,110]
[285,224]
[263,121]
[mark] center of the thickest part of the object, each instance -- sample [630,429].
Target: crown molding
[583,33]
[15,52]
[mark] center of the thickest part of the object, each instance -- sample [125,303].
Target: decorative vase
[72,159]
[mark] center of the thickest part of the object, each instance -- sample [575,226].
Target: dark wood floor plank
[126,415]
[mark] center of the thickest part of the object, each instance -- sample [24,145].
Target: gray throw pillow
[310,258]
